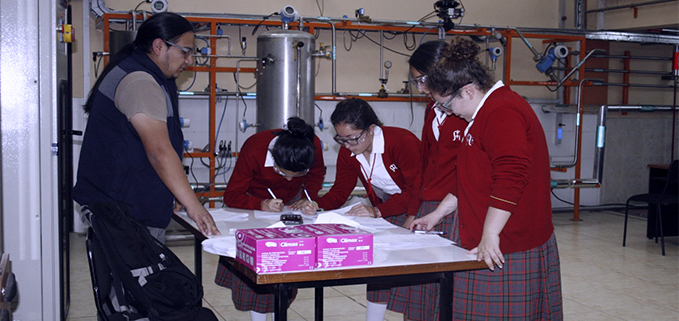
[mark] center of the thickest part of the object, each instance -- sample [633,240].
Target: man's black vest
[113,164]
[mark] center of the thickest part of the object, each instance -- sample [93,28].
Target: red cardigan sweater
[250,179]
[439,157]
[504,163]
[403,162]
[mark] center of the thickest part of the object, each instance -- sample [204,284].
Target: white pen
[307,195]
[271,193]
[429,232]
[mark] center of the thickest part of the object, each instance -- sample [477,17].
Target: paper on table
[409,241]
[223,215]
[226,245]
[221,246]
[334,218]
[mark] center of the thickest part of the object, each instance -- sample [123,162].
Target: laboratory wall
[359,68]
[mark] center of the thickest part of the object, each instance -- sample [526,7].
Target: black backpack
[135,276]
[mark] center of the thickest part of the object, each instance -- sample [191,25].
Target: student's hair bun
[299,128]
[463,49]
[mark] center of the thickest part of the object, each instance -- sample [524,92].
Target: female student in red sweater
[441,140]
[287,161]
[503,198]
[388,163]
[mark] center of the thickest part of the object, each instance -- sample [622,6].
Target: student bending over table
[388,163]
[287,161]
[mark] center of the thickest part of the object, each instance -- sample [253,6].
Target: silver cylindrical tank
[285,78]
[117,39]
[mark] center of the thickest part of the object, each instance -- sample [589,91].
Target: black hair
[458,67]
[294,149]
[166,26]
[355,112]
[426,55]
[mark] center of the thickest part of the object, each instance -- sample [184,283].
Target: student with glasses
[133,142]
[503,196]
[388,163]
[287,161]
[441,140]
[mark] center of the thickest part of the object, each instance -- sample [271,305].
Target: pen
[307,195]
[271,193]
[429,232]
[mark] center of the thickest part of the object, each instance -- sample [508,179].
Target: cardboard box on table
[268,250]
[340,245]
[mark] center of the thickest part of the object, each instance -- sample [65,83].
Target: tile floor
[601,279]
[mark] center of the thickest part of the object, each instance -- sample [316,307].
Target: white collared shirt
[380,178]
[268,161]
[439,118]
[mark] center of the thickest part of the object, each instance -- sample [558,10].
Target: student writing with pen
[273,170]
[388,163]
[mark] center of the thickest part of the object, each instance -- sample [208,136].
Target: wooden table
[400,266]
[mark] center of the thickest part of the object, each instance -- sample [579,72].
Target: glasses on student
[350,141]
[293,175]
[446,106]
[419,80]
[188,52]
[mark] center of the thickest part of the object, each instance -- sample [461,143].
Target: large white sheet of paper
[224,215]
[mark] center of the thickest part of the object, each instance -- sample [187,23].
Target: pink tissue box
[340,245]
[267,250]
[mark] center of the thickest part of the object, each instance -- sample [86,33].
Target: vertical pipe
[381,54]
[675,72]
[211,111]
[334,59]
[625,77]
[600,145]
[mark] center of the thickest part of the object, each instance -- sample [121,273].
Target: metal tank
[285,78]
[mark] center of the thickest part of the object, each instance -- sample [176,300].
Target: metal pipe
[633,57]
[622,71]
[631,5]
[576,183]
[577,67]
[600,145]
[334,59]
[381,54]
[572,109]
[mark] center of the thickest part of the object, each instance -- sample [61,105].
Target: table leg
[198,262]
[280,302]
[446,297]
[318,301]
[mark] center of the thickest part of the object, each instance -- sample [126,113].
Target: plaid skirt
[528,287]
[380,292]
[245,297]
[420,302]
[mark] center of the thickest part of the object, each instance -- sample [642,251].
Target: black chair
[668,197]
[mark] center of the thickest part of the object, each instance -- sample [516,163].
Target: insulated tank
[285,78]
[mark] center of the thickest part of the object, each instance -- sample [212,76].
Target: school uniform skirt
[420,302]
[380,292]
[528,287]
[245,297]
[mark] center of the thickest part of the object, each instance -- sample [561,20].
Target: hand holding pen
[272,205]
[307,206]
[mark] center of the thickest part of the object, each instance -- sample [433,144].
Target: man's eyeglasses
[350,141]
[188,52]
[419,80]
[292,175]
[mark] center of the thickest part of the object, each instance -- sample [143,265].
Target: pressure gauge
[159,6]
[387,64]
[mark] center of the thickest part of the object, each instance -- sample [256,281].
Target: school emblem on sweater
[456,136]
[469,140]
[393,168]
